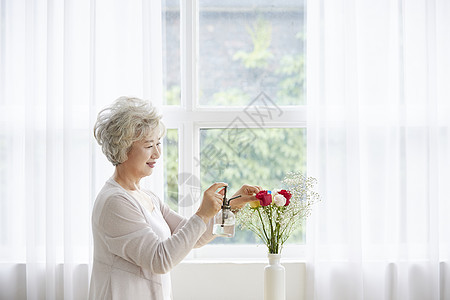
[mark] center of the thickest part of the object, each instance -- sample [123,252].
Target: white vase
[274,279]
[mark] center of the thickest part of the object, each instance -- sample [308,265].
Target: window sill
[246,253]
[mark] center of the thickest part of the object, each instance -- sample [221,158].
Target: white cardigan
[135,249]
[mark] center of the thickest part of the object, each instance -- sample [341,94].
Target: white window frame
[189,118]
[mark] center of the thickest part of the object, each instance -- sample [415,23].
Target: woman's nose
[156,153]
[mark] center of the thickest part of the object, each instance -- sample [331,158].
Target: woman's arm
[128,235]
[176,221]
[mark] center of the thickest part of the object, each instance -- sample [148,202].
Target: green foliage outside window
[170,156]
[260,55]
[259,157]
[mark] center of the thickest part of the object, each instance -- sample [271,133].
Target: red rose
[286,195]
[264,198]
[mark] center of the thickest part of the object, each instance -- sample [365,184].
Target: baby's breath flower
[273,222]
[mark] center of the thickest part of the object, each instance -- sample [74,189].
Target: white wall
[232,280]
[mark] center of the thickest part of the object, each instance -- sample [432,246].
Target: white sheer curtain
[379,144]
[61,61]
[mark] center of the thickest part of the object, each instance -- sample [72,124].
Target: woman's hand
[247,193]
[212,201]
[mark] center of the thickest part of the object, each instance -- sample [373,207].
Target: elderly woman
[138,239]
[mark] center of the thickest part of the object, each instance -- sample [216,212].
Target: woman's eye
[148,147]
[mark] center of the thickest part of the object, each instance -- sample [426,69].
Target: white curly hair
[127,120]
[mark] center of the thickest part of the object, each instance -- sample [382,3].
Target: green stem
[269,217]
[262,222]
[277,230]
[258,233]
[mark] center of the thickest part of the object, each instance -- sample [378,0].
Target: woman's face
[143,155]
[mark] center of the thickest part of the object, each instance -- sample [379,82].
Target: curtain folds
[379,144]
[61,62]
[44,138]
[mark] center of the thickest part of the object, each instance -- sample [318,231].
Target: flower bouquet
[276,214]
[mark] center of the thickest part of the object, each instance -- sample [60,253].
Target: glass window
[233,124]
[250,46]
[170,156]
[254,156]
[171,52]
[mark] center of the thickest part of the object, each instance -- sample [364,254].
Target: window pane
[246,47]
[171,52]
[251,156]
[170,154]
